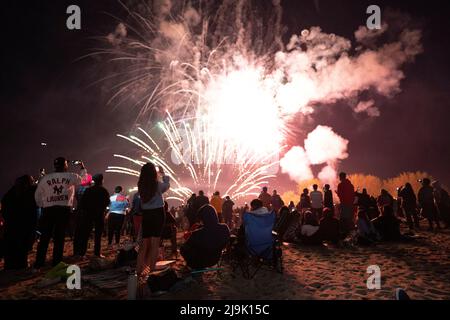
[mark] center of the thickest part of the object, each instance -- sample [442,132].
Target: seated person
[367,234]
[387,225]
[256,208]
[204,247]
[291,231]
[170,229]
[309,231]
[283,222]
[329,226]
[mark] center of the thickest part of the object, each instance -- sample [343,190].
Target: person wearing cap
[93,206]
[427,204]
[55,194]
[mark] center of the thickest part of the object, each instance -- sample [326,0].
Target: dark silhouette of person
[227,211]
[19,211]
[328,197]
[204,247]
[409,205]
[93,206]
[329,227]
[364,200]
[427,204]
[190,210]
[200,201]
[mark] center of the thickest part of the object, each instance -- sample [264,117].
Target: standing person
[19,212]
[346,194]
[442,200]
[199,202]
[55,194]
[170,230]
[328,197]
[190,212]
[116,217]
[227,210]
[276,201]
[409,205]
[76,223]
[364,200]
[427,204]
[217,202]
[153,216]
[266,199]
[93,204]
[305,200]
[316,201]
[136,215]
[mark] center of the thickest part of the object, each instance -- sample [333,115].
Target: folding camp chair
[262,246]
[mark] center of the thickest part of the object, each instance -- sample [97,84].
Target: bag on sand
[54,276]
[125,257]
[162,281]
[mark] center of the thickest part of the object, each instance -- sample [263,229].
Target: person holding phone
[151,191]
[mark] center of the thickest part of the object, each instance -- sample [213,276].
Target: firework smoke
[223,70]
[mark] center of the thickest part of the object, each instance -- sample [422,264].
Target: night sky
[47,96]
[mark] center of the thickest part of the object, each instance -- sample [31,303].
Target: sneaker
[400,294]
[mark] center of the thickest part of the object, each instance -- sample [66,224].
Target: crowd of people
[43,210]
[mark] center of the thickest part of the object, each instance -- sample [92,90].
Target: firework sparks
[227,88]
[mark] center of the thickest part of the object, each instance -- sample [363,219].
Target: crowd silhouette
[35,212]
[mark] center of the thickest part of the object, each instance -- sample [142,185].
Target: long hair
[148,182]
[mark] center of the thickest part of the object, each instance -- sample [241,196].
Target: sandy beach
[421,267]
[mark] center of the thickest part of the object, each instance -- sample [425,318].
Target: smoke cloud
[296,164]
[322,146]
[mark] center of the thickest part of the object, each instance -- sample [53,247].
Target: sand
[320,273]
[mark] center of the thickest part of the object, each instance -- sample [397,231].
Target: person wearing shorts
[151,191]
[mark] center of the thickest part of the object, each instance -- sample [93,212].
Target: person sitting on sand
[367,234]
[204,247]
[329,227]
[309,231]
[387,225]
[290,235]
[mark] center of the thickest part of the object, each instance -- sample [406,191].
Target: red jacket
[346,192]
